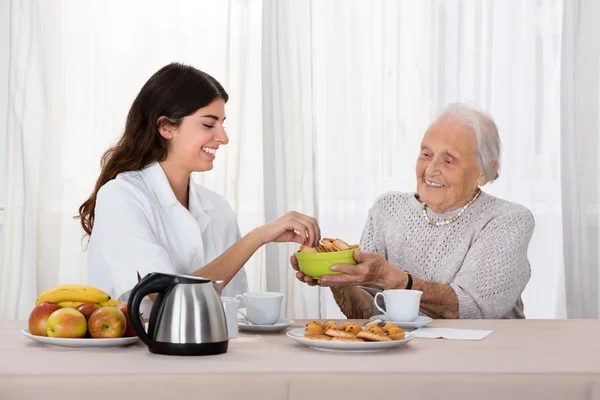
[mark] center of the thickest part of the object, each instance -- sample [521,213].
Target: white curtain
[376,74]
[580,150]
[75,70]
[329,101]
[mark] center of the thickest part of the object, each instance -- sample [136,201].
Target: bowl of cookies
[317,261]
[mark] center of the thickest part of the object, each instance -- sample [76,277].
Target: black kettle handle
[154,282]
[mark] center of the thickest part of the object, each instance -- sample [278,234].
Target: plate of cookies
[350,336]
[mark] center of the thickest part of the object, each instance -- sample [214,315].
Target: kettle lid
[191,279]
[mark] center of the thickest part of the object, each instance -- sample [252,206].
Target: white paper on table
[450,333]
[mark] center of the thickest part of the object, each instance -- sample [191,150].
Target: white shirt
[141,227]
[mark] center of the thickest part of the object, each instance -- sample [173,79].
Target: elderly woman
[464,249]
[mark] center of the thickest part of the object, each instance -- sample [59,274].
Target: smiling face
[447,171]
[193,145]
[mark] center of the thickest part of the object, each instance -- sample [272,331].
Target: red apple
[39,317]
[87,309]
[129,332]
[66,323]
[107,322]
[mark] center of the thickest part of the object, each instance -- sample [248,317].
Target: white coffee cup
[401,305]
[231,306]
[262,308]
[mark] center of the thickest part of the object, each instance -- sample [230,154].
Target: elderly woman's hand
[299,275]
[371,269]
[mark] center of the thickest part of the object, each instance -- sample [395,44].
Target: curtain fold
[381,70]
[328,104]
[76,67]
[289,141]
[580,129]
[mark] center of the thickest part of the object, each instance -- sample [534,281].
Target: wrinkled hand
[292,227]
[299,275]
[371,269]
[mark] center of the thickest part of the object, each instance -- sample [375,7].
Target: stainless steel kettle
[187,316]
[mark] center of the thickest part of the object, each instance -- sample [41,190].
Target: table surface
[550,359]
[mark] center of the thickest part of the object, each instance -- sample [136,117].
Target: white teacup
[231,306]
[262,308]
[401,305]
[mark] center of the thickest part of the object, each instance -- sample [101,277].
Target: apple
[87,309]
[39,317]
[66,323]
[107,322]
[129,332]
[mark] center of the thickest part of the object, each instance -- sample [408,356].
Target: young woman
[146,214]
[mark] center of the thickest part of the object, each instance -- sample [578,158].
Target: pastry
[370,324]
[313,329]
[314,321]
[347,339]
[396,333]
[371,337]
[353,328]
[327,245]
[389,325]
[339,333]
[318,337]
[340,245]
[375,330]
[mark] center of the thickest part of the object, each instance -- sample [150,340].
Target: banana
[73,293]
[110,303]
[70,304]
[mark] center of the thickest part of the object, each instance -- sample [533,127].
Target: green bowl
[316,265]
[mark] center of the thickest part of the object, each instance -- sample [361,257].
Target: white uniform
[141,227]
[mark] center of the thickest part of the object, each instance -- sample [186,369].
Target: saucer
[244,325]
[420,322]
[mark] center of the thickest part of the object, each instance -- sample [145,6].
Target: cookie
[371,337]
[339,333]
[332,325]
[353,328]
[328,245]
[347,324]
[343,339]
[396,333]
[318,337]
[307,249]
[327,324]
[340,245]
[398,336]
[375,330]
[389,326]
[313,329]
[314,321]
[371,324]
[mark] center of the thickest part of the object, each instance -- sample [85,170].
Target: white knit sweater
[483,255]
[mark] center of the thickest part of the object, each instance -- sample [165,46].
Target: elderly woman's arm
[493,275]
[438,300]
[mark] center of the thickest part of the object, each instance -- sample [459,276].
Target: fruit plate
[298,336]
[86,342]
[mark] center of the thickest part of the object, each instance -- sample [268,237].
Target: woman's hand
[371,269]
[292,227]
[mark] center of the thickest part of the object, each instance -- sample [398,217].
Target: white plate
[85,342]
[420,322]
[298,336]
[243,325]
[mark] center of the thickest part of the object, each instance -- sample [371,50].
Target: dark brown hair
[175,91]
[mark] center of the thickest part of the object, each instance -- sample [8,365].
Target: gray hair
[486,135]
